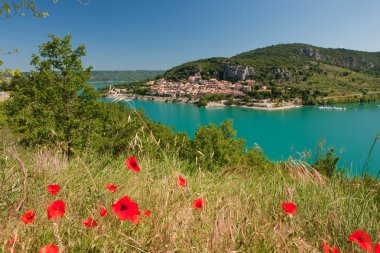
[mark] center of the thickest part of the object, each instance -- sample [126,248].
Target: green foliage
[216,147]
[3,117]
[20,8]
[326,162]
[51,108]
[16,83]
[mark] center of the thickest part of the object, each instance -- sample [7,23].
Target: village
[196,87]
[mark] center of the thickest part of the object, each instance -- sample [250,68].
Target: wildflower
[126,209]
[90,223]
[111,187]
[362,239]
[53,189]
[28,217]
[132,164]
[50,248]
[328,249]
[13,241]
[136,219]
[199,203]
[289,208]
[376,248]
[181,181]
[147,213]
[103,212]
[56,210]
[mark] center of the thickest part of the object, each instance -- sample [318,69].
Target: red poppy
[289,208]
[50,248]
[376,248]
[132,164]
[147,213]
[53,189]
[136,219]
[28,217]
[362,239]
[90,223]
[199,203]
[181,181]
[328,249]
[103,212]
[111,187]
[13,241]
[56,210]
[126,209]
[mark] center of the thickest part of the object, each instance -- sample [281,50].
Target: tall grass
[242,213]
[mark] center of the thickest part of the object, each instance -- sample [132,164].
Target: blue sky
[160,34]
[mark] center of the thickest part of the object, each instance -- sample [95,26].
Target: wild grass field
[242,212]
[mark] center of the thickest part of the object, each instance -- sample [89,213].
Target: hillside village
[196,87]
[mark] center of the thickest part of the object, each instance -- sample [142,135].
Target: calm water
[286,133]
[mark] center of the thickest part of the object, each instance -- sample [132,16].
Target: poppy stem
[57,237]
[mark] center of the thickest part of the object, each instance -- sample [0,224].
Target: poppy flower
[53,189]
[50,248]
[376,248]
[199,203]
[328,249]
[132,164]
[28,217]
[126,209]
[289,208]
[181,181]
[13,241]
[111,187]
[103,212]
[362,239]
[136,219]
[147,213]
[56,209]
[90,223]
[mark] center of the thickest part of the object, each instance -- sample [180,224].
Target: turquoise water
[285,133]
[98,85]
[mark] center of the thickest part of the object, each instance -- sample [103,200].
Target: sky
[160,34]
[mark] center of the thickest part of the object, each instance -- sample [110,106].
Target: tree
[54,106]
[216,147]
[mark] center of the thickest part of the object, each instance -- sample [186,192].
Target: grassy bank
[242,211]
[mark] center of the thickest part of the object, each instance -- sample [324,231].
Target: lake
[286,133]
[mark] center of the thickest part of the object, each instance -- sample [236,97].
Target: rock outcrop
[279,73]
[237,72]
[310,52]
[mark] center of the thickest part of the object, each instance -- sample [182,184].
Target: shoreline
[210,105]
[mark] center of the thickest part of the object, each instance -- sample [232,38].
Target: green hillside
[332,72]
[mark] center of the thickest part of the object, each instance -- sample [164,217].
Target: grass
[242,213]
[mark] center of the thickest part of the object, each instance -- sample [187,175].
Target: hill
[124,76]
[332,72]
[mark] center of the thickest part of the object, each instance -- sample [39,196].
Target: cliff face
[236,72]
[352,62]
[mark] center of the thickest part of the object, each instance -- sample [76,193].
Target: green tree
[54,105]
[216,147]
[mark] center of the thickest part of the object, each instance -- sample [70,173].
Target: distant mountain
[124,76]
[302,65]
